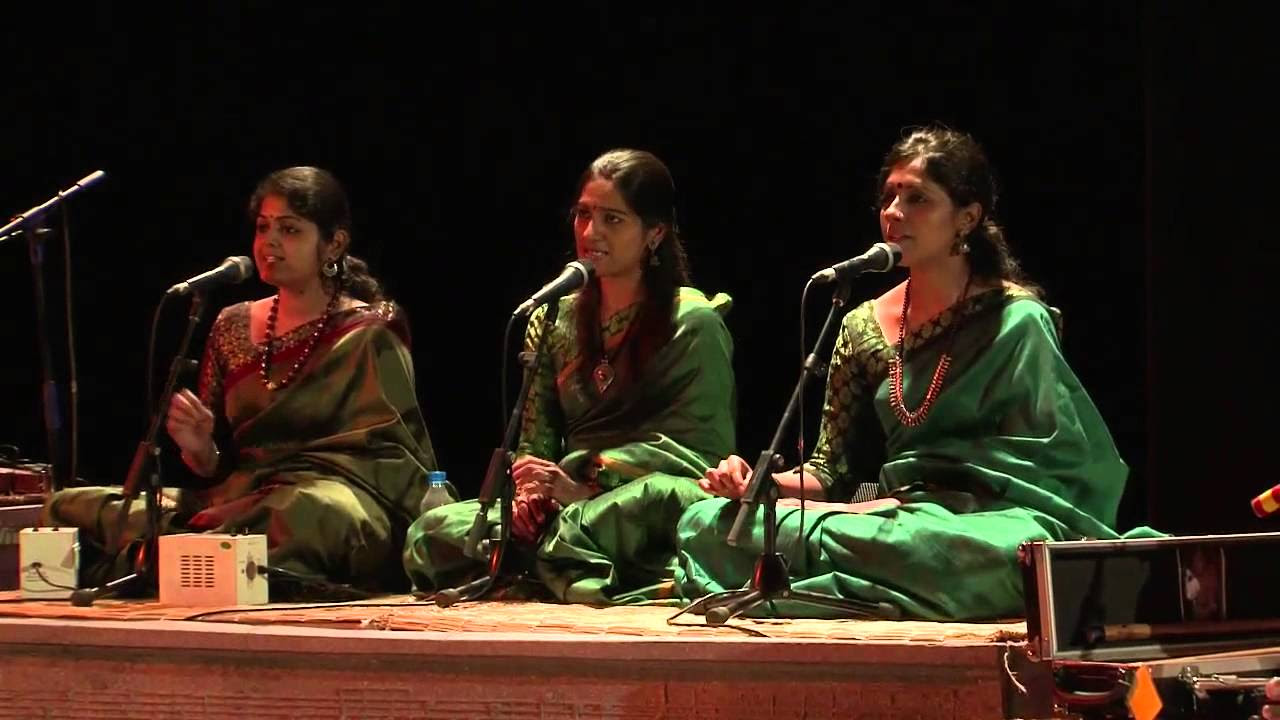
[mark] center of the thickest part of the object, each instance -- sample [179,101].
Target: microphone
[232,270]
[1267,503]
[575,275]
[86,181]
[882,257]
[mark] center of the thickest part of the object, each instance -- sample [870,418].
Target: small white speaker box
[48,562]
[207,569]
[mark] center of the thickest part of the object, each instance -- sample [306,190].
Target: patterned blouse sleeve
[542,423]
[211,388]
[846,399]
[213,369]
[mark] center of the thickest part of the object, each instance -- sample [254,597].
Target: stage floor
[400,658]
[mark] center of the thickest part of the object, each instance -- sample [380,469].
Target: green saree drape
[643,442]
[330,467]
[1013,450]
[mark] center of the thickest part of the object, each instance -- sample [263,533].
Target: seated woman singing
[950,392]
[306,424]
[633,399]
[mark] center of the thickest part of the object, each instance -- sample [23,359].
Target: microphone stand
[31,224]
[50,391]
[770,579]
[147,458]
[499,485]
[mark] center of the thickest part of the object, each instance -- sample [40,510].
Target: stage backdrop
[460,140]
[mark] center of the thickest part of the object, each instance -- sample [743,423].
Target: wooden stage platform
[400,658]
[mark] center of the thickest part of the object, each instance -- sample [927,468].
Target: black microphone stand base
[142,553]
[500,571]
[481,586]
[462,593]
[84,597]
[770,582]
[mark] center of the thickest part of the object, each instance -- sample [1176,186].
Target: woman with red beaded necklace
[306,424]
[950,404]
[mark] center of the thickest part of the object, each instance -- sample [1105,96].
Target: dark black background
[1120,141]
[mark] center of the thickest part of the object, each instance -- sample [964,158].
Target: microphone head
[893,252]
[243,267]
[585,267]
[576,274]
[235,269]
[90,179]
[882,257]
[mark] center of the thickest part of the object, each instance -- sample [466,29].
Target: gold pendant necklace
[604,374]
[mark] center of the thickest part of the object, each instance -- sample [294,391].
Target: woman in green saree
[633,400]
[951,394]
[306,426]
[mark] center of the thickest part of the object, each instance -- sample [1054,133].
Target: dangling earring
[960,246]
[330,269]
[653,256]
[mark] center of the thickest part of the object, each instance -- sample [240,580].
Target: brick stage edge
[397,658]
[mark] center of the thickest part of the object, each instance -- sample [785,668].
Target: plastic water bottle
[437,491]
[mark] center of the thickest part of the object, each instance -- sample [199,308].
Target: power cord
[38,567]
[320,585]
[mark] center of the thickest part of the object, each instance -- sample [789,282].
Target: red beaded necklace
[912,418]
[267,349]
